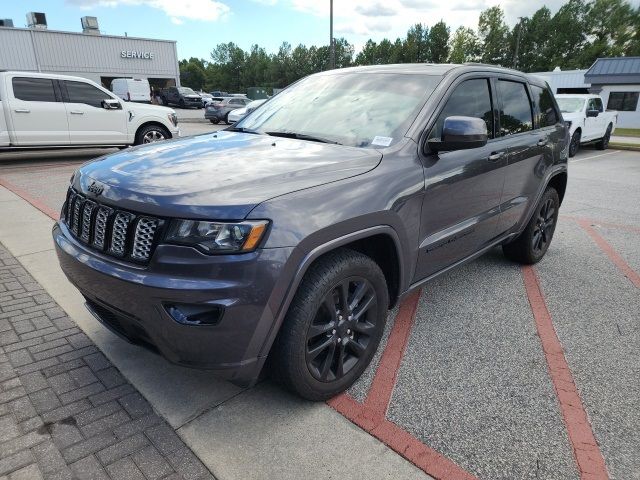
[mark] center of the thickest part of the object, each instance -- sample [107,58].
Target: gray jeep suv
[289,236]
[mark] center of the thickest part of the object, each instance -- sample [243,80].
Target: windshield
[186,91]
[570,105]
[355,109]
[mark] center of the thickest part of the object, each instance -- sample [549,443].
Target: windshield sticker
[382,141]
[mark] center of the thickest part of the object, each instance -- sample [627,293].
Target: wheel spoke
[536,239]
[327,362]
[340,360]
[365,328]
[357,349]
[316,330]
[550,213]
[364,306]
[318,349]
[343,295]
[330,305]
[360,291]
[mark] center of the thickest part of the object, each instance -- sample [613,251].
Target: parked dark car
[183,97]
[289,236]
[217,112]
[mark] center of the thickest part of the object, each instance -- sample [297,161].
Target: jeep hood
[222,175]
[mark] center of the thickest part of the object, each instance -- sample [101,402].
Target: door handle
[22,110]
[542,142]
[76,112]
[495,156]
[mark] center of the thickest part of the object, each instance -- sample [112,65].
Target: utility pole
[332,45]
[515,56]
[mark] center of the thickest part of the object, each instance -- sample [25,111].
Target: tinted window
[623,101]
[598,104]
[34,89]
[543,99]
[515,111]
[80,92]
[472,98]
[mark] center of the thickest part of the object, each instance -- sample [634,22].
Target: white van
[132,89]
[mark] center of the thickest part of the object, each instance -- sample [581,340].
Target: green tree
[465,46]
[567,36]
[494,35]
[529,42]
[192,73]
[415,48]
[439,43]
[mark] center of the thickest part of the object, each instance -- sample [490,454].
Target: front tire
[534,241]
[603,143]
[574,146]
[333,326]
[151,134]
[215,121]
[226,119]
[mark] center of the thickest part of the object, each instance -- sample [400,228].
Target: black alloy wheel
[339,334]
[544,227]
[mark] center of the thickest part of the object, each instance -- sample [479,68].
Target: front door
[89,122]
[462,188]
[37,112]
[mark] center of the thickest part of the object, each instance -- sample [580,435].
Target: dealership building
[89,54]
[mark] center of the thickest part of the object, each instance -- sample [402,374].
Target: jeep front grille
[115,232]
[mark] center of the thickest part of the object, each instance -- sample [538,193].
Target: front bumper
[133,301]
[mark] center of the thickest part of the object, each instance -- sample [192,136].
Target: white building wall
[90,56]
[625,119]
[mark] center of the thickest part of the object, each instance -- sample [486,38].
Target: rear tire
[333,326]
[534,241]
[215,121]
[574,146]
[181,103]
[603,143]
[226,119]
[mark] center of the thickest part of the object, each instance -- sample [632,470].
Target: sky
[199,25]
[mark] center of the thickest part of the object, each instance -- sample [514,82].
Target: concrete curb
[625,146]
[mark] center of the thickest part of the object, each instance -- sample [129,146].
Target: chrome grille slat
[115,232]
[143,238]
[119,233]
[87,212]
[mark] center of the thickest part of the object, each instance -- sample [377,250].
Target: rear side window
[547,116]
[80,92]
[623,101]
[34,89]
[515,111]
[472,98]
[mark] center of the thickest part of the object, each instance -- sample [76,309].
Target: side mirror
[592,113]
[111,104]
[461,133]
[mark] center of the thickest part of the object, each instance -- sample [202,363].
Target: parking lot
[491,371]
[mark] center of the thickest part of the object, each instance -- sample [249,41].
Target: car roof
[439,69]
[46,75]
[576,95]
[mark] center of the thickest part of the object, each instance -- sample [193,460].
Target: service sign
[137,54]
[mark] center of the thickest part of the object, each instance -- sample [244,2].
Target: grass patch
[625,146]
[627,132]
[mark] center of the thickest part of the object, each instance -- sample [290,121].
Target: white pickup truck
[48,110]
[588,120]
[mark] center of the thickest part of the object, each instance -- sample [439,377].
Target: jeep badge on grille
[95,188]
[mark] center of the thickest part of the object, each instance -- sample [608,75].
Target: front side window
[547,115]
[623,101]
[515,111]
[34,89]
[80,92]
[472,98]
[368,110]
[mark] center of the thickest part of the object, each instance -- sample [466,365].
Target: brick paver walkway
[65,411]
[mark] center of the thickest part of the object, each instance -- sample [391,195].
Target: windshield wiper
[243,130]
[302,136]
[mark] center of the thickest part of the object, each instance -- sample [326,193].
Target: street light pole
[332,46]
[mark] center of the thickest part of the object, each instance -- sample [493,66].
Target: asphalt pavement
[465,384]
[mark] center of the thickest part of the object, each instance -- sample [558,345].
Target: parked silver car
[239,113]
[217,112]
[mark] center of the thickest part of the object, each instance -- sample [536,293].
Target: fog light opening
[195,314]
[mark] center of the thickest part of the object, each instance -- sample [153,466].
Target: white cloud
[375,10]
[177,11]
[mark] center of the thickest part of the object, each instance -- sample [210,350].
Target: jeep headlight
[217,237]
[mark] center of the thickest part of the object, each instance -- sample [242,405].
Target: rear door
[37,113]
[89,122]
[530,149]
[463,188]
